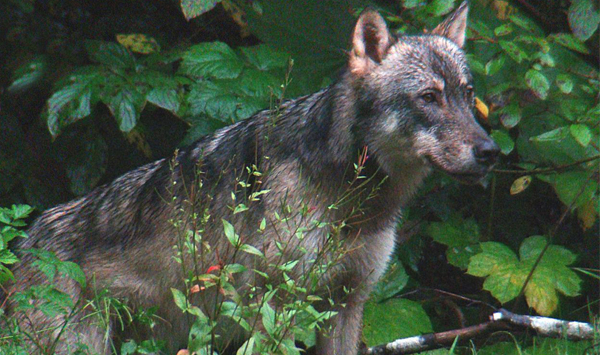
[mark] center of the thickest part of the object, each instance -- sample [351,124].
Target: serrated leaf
[195,8]
[73,271]
[126,107]
[538,83]
[584,18]
[569,41]
[564,83]
[110,53]
[223,101]
[214,59]
[581,133]
[263,57]
[7,257]
[506,275]
[520,184]
[164,97]
[460,235]
[503,140]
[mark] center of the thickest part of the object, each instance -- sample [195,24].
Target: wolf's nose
[486,151]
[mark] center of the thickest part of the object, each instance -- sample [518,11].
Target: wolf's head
[418,94]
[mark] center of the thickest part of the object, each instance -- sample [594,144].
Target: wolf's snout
[486,151]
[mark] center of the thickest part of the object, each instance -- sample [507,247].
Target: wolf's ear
[370,42]
[454,27]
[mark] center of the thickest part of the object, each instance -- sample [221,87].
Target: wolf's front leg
[341,335]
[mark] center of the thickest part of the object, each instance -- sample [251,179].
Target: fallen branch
[502,319]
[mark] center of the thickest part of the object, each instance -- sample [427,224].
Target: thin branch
[548,170]
[500,320]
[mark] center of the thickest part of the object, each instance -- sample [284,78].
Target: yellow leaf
[502,9]
[520,184]
[587,215]
[482,108]
[138,43]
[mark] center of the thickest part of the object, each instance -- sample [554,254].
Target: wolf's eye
[470,93]
[428,97]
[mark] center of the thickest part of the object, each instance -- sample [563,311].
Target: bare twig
[500,320]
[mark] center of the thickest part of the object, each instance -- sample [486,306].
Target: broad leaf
[215,59]
[460,235]
[505,274]
[381,323]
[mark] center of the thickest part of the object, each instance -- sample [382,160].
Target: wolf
[349,157]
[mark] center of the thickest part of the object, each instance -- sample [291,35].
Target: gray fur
[121,236]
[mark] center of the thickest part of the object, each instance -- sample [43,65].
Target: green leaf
[195,8]
[581,133]
[584,18]
[510,115]
[180,299]
[494,65]
[569,184]
[460,235]
[214,59]
[381,321]
[569,41]
[7,257]
[538,83]
[129,348]
[110,53]
[126,107]
[503,30]
[73,271]
[494,258]
[246,348]
[28,74]
[251,250]
[514,51]
[440,7]
[223,100]
[524,22]
[263,57]
[164,97]
[564,83]
[392,282]
[233,238]
[505,274]
[503,140]
[66,106]
[21,211]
